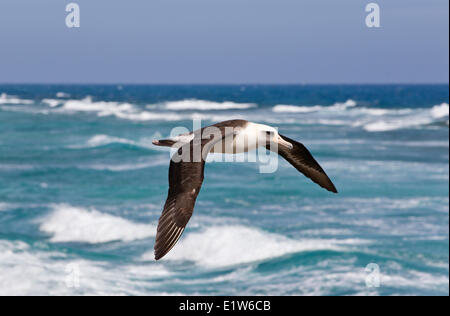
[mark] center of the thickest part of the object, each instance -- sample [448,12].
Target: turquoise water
[82,187]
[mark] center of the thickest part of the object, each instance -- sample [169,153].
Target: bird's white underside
[242,140]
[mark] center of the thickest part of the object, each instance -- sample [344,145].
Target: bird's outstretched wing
[185,180]
[300,157]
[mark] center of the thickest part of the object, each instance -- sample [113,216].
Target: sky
[224,42]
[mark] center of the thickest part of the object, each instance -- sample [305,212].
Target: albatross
[186,171]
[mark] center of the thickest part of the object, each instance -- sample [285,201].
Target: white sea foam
[103,140]
[120,110]
[28,271]
[415,119]
[440,111]
[52,102]
[350,278]
[382,126]
[102,107]
[204,105]
[36,270]
[67,223]
[414,279]
[370,119]
[235,244]
[281,108]
[343,109]
[347,104]
[125,111]
[171,116]
[149,116]
[338,114]
[10,99]
[62,95]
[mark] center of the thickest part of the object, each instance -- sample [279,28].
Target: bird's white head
[270,135]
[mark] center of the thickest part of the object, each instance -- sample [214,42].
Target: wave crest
[281,108]
[103,107]
[10,99]
[53,103]
[30,270]
[204,105]
[413,120]
[67,223]
[231,245]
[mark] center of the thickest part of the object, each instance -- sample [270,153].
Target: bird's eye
[268,132]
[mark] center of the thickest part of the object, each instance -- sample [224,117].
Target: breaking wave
[346,113]
[62,95]
[370,119]
[27,271]
[203,105]
[281,108]
[135,113]
[220,246]
[150,116]
[102,107]
[67,223]
[10,99]
[416,119]
[52,102]
[103,140]
[120,110]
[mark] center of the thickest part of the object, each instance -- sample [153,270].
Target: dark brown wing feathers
[185,181]
[300,157]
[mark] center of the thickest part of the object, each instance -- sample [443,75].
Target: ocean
[82,188]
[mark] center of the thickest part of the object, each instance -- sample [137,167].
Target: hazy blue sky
[224,41]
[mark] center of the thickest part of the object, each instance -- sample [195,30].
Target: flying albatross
[187,166]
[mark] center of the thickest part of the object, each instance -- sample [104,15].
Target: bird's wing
[185,180]
[300,157]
